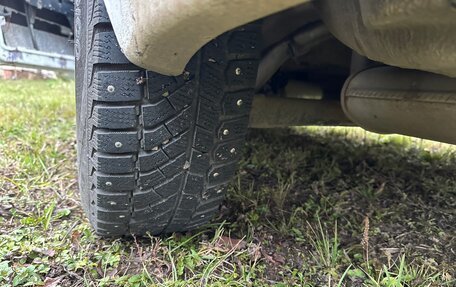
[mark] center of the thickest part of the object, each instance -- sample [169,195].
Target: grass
[308,207]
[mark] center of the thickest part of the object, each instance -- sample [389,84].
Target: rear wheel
[156,152]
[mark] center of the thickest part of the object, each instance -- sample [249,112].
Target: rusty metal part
[410,102]
[162,35]
[273,112]
[415,34]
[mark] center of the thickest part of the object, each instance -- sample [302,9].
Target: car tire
[156,152]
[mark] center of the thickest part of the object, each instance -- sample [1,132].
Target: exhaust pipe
[409,102]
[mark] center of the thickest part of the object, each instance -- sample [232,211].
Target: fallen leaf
[52,282]
[278,258]
[274,258]
[75,235]
[46,252]
[225,243]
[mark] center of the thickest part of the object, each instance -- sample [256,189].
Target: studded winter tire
[155,152]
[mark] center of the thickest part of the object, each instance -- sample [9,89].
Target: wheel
[155,152]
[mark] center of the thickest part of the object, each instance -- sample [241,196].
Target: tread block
[158,209]
[141,228]
[182,215]
[125,87]
[143,199]
[115,142]
[150,179]
[174,166]
[243,42]
[113,216]
[241,73]
[228,151]
[155,114]
[203,139]
[171,187]
[187,201]
[151,160]
[199,162]
[180,123]
[114,164]
[211,78]
[114,182]
[182,97]
[221,174]
[115,117]
[201,220]
[177,145]
[153,138]
[114,201]
[238,103]
[207,206]
[162,86]
[194,185]
[214,57]
[106,49]
[214,192]
[100,14]
[233,128]
[208,114]
[113,228]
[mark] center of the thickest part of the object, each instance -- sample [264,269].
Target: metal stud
[219,191]
[113,203]
[118,144]
[239,103]
[165,94]
[233,150]
[237,71]
[108,183]
[215,174]
[140,81]
[121,216]
[226,132]
[111,89]
[155,148]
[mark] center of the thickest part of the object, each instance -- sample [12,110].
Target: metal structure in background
[37,34]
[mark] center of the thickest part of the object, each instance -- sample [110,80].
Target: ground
[308,207]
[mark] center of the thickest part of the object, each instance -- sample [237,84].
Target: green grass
[308,207]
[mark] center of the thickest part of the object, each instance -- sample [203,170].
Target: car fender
[162,35]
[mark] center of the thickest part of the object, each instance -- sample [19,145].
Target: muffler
[394,100]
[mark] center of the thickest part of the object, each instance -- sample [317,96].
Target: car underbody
[310,50]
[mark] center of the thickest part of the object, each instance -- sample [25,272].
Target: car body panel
[163,35]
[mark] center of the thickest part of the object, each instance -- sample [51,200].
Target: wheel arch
[163,35]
